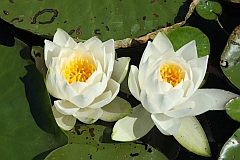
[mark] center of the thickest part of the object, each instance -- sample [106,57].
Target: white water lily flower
[166,84]
[85,77]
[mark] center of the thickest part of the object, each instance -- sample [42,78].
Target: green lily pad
[230,59]
[83,19]
[94,141]
[231,149]
[28,129]
[209,9]
[83,151]
[183,35]
[233,109]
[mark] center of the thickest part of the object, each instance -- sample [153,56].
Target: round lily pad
[233,109]
[209,9]
[183,35]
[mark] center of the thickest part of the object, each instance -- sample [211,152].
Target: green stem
[219,23]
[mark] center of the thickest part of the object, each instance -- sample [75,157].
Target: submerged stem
[219,23]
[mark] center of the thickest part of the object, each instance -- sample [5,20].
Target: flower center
[171,73]
[78,70]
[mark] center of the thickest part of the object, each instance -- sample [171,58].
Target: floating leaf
[84,19]
[209,9]
[28,129]
[230,59]
[183,35]
[233,109]
[89,141]
[231,149]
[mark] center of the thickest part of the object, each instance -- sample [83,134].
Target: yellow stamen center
[171,73]
[78,70]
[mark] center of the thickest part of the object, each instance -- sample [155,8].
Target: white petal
[79,86]
[162,42]
[144,74]
[148,52]
[156,103]
[53,85]
[202,103]
[218,96]
[96,89]
[101,100]
[109,46]
[109,94]
[82,100]
[116,110]
[120,69]
[61,37]
[65,107]
[197,77]
[133,126]
[88,115]
[188,51]
[93,43]
[64,121]
[133,83]
[175,94]
[68,90]
[167,125]
[165,86]
[188,87]
[181,110]
[100,55]
[200,63]
[114,87]
[50,50]
[149,103]
[80,48]
[96,76]
[110,63]
[192,136]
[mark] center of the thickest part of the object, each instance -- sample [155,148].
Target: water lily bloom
[167,85]
[85,78]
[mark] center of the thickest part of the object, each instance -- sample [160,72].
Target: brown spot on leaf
[78,31]
[5,12]
[53,11]
[11,1]
[107,28]
[153,1]
[16,19]
[134,154]
[144,17]
[155,15]
[97,31]
[71,31]
[91,131]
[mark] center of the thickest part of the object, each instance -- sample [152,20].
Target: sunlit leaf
[84,19]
